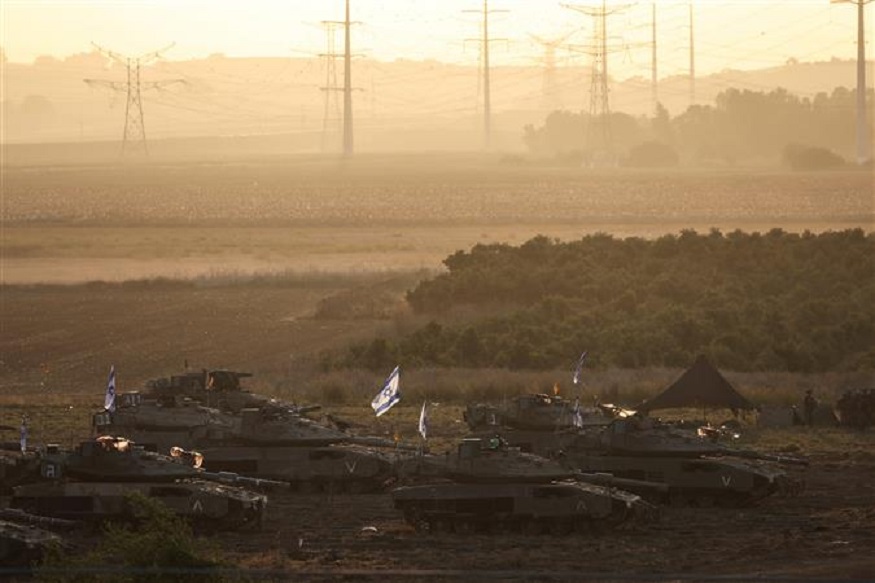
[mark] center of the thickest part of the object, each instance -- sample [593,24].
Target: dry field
[255,246]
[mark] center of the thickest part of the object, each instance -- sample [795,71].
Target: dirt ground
[56,342]
[825,533]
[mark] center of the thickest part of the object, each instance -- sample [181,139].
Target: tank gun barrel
[380,442]
[603,479]
[768,457]
[237,480]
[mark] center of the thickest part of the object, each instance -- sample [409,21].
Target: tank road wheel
[355,487]
[442,525]
[532,527]
[463,526]
[561,527]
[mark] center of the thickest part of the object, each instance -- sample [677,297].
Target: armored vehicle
[25,538]
[534,411]
[487,485]
[485,461]
[694,471]
[92,484]
[532,508]
[265,442]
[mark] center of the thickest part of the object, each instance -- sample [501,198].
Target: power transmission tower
[863,136]
[347,87]
[331,79]
[654,80]
[134,135]
[484,64]
[599,100]
[549,86]
[692,58]
[331,116]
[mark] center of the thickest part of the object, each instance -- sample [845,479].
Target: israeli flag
[576,415]
[423,422]
[22,439]
[578,367]
[109,399]
[390,394]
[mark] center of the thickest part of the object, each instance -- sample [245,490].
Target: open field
[68,224]
[226,265]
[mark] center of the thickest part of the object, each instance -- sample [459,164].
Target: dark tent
[701,386]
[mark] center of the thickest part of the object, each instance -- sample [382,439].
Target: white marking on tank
[196,506]
[350,467]
[726,480]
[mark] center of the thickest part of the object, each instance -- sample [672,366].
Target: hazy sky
[742,34]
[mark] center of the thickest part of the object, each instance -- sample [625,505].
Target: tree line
[774,301]
[741,125]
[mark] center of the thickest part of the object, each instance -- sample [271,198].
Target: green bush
[160,546]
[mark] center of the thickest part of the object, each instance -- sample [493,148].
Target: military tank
[531,508]
[537,411]
[93,482]
[25,538]
[487,485]
[271,441]
[694,471]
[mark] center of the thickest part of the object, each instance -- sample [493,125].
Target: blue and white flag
[22,435]
[576,415]
[389,395]
[578,367]
[423,421]
[109,399]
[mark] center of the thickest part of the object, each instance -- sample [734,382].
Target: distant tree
[800,157]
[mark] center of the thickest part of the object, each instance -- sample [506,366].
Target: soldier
[809,404]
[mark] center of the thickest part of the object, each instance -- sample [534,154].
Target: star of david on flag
[109,399]
[22,436]
[423,422]
[389,395]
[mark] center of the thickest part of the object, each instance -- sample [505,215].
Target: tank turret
[693,469]
[270,442]
[534,411]
[91,483]
[484,460]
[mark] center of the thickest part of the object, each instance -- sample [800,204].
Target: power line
[863,154]
[484,61]
[134,135]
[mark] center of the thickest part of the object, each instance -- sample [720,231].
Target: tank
[537,411]
[531,508]
[25,538]
[483,460]
[694,471]
[270,442]
[92,482]
[487,485]
[856,408]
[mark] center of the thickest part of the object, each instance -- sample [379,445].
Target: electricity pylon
[549,86]
[484,64]
[599,100]
[331,113]
[863,136]
[331,79]
[134,135]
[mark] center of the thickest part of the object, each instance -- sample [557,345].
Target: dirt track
[826,532]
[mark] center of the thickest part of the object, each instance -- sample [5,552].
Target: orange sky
[738,34]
